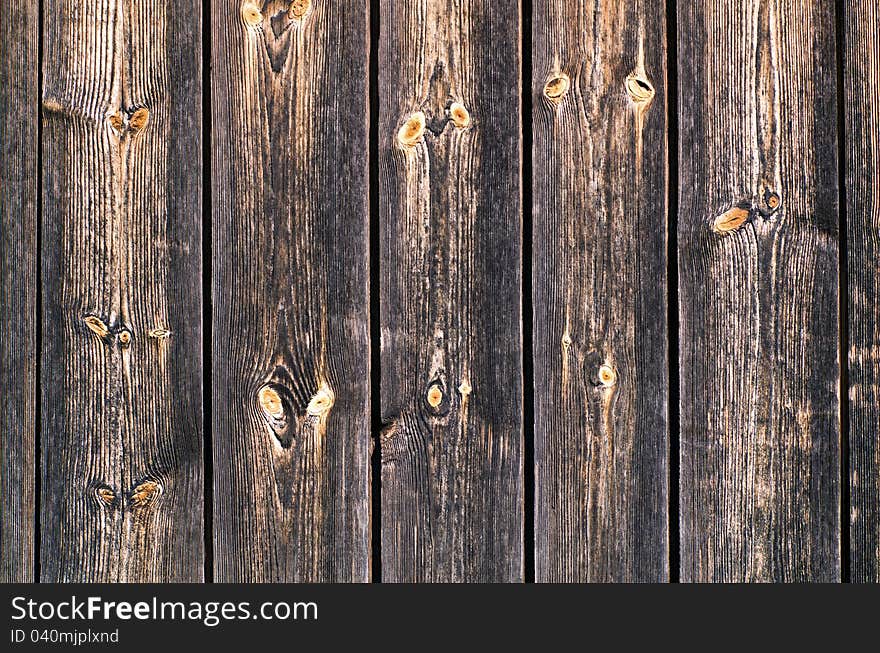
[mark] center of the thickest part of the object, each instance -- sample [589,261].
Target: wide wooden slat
[600,335]
[861,60]
[19,113]
[291,353]
[451,351]
[758,236]
[121,373]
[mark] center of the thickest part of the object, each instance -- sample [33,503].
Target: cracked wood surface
[291,353]
[600,339]
[19,113]
[121,436]
[450,291]
[861,60]
[759,348]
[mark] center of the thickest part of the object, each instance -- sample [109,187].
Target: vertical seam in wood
[527,307]
[207,299]
[375,334]
[843,304]
[674,535]
[38,308]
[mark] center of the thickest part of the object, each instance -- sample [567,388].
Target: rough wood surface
[122,473]
[861,61]
[450,267]
[19,116]
[600,339]
[291,354]
[758,254]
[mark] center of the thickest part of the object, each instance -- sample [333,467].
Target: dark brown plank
[600,335]
[450,267]
[121,263]
[861,60]
[19,113]
[291,312]
[758,236]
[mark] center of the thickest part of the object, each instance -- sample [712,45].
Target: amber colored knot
[435,396]
[459,115]
[251,15]
[322,402]
[96,325]
[298,8]
[106,495]
[556,87]
[730,220]
[607,375]
[270,401]
[125,337]
[465,388]
[639,88]
[138,120]
[410,133]
[159,333]
[117,121]
[144,493]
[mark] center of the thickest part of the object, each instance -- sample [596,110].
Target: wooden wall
[429,291]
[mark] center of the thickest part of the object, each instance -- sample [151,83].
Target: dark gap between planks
[207,297]
[38,309]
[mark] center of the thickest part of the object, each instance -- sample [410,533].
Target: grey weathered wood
[758,236]
[861,61]
[599,252]
[122,473]
[291,355]
[19,116]
[450,268]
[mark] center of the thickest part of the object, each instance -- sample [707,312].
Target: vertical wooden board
[291,312]
[861,61]
[450,291]
[599,252]
[122,475]
[18,279]
[758,235]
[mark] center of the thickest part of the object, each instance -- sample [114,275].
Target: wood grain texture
[291,348]
[599,269]
[450,291]
[19,116]
[861,61]
[758,253]
[121,465]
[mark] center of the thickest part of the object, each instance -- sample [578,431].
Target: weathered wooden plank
[599,252]
[861,61]
[291,312]
[121,370]
[758,235]
[450,247]
[19,115]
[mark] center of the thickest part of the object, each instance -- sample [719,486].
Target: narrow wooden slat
[600,335]
[121,264]
[758,235]
[861,60]
[291,355]
[19,114]
[451,353]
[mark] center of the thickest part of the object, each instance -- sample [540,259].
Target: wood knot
[410,133]
[145,493]
[139,119]
[117,121]
[105,495]
[251,14]
[639,89]
[459,115]
[125,337]
[298,9]
[731,220]
[465,388]
[772,200]
[159,333]
[270,402]
[566,341]
[434,396]
[97,326]
[557,87]
[322,402]
[275,402]
[607,375]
